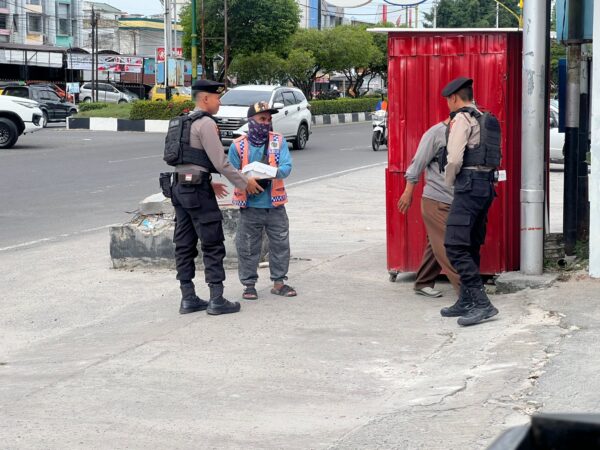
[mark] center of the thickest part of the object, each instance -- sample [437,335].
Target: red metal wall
[420,65]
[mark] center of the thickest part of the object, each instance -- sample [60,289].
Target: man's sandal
[250,293]
[284,291]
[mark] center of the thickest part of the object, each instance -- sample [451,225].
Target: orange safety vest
[278,194]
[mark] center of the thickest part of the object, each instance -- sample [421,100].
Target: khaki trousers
[435,215]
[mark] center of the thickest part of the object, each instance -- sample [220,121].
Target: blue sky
[366,13]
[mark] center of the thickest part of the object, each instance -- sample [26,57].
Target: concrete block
[156,204]
[157,126]
[103,124]
[510,282]
[147,241]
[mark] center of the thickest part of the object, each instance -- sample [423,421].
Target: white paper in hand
[259,170]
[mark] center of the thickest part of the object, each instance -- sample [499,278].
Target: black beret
[212,87]
[456,85]
[261,107]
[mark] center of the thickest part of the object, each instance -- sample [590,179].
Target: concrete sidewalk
[91,357]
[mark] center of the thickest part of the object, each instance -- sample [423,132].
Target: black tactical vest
[488,153]
[177,143]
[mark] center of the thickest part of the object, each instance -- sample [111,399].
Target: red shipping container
[421,63]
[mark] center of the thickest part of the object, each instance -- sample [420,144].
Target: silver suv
[106,93]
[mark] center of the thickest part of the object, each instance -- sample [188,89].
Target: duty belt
[192,177]
[491,175]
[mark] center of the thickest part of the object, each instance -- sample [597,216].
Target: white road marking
[54,238]
[336,174]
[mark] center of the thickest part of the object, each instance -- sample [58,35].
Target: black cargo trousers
[197,216]
[466,226]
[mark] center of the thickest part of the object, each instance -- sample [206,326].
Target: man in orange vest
[265,211]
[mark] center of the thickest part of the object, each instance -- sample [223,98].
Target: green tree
[473,14]
[379,65]
[253,27]
[557,52]
[307,58]
[300,70]
[259,68]
[351,51]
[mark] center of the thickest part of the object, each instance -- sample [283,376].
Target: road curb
[161,126]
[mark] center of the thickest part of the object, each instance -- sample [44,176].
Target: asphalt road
[57,183]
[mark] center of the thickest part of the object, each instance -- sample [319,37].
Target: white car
[106,93]
[557,139]
[18,116]
[293,120]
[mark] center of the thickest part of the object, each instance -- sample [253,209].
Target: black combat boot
[462,306]
[482,308]
[219,304]
[190,302]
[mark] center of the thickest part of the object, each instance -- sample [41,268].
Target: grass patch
[117,110]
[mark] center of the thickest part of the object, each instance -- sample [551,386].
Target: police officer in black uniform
[197,212]
[473,156]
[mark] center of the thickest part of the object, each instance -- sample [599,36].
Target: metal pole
[319,14]
[93,37]
[571,148]
[97,51]
[203,43]
[175,24]
[435,6]
[583,206]
[595,150]
[226,50]
[194,44]
[533,136]
[497,15]
[167,46]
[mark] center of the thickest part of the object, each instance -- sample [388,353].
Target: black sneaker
[222,306]
[477,314]
[192,304]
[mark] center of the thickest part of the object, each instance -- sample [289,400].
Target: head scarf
[258,133]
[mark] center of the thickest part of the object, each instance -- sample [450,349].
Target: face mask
[258,133]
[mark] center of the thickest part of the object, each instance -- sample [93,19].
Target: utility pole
[435,7]
[319,14]
[167,4]
[534,120]
[203,43]
[497,15]
[93,23]
[194,44]
[226,50]
[595,150]
[97,51]
[175,24]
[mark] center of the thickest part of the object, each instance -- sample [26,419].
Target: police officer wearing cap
[197,213]
[472,176]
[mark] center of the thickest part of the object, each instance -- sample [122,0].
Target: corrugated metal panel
[420,65]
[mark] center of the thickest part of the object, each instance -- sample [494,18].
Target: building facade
[108,26]
[331,16]
[41,22]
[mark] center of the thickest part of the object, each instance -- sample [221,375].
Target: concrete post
[535,35]
[594,182]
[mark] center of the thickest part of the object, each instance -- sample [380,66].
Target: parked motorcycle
[380,129]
